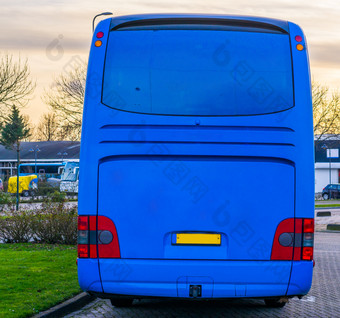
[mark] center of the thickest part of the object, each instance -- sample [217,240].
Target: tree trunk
[18,163]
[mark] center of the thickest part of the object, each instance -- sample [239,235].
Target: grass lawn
[34,277]
[327,205]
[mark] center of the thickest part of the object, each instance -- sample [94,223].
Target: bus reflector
[100,34]
[97,237]
[298,38]
[299,47]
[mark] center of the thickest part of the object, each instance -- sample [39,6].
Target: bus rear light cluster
[294,240]
[99,35]
[97,237]
[299,46]
[308,240]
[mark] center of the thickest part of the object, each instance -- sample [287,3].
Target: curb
[323,213]
[67,306]
[333,227]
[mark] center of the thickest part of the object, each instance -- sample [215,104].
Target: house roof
[48,151]
[321,147]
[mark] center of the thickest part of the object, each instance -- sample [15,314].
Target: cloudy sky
[50,32]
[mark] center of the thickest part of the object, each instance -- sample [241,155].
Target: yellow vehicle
[27,184]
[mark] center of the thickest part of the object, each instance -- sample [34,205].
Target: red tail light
[283,241]
[108,245]
[308,226]
[83,251]
[83,223]
[308,240]
[298,237]
[307,253]
[96,232]
[294,240]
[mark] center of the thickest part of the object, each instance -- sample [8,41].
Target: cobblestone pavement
[322,301]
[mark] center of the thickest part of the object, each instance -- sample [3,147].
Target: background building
[44,151]
[327,170]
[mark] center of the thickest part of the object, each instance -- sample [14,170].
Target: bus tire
[25,193]
[121,302]
[274,303]
[325,196]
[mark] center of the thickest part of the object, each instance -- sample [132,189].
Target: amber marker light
[299,47]
[98,43]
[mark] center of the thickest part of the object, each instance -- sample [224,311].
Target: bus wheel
[25,193]
[121,302]
[274,303]
[325,196]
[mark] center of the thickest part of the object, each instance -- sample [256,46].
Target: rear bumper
[172,278]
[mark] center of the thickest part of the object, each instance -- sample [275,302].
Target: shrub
[56,196]
[5,186]
[6,201]
[15,226]
[54,223]
[44,189]
[51,223]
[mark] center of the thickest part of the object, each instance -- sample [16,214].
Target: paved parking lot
[322,301]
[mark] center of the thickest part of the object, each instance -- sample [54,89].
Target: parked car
[331,191]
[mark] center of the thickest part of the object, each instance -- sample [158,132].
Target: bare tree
[48,127]
[15,83]
[66,98]
[326,111]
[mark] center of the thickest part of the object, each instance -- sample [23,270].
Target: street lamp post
[330,153]
[324,146]
[36,150]
[62,155]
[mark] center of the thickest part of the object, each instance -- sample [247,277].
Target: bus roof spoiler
[98,15]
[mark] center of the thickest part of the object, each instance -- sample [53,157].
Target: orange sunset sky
[50,32]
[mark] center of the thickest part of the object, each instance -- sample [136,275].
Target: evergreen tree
[14,129]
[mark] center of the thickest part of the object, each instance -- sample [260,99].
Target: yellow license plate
[198,239]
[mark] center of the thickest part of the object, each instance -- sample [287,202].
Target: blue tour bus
[44,170]
[197,144]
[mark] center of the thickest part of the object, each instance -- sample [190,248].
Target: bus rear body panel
[199,159]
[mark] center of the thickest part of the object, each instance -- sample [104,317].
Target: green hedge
[52,223]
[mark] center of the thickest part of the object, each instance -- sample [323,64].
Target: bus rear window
[198,72]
